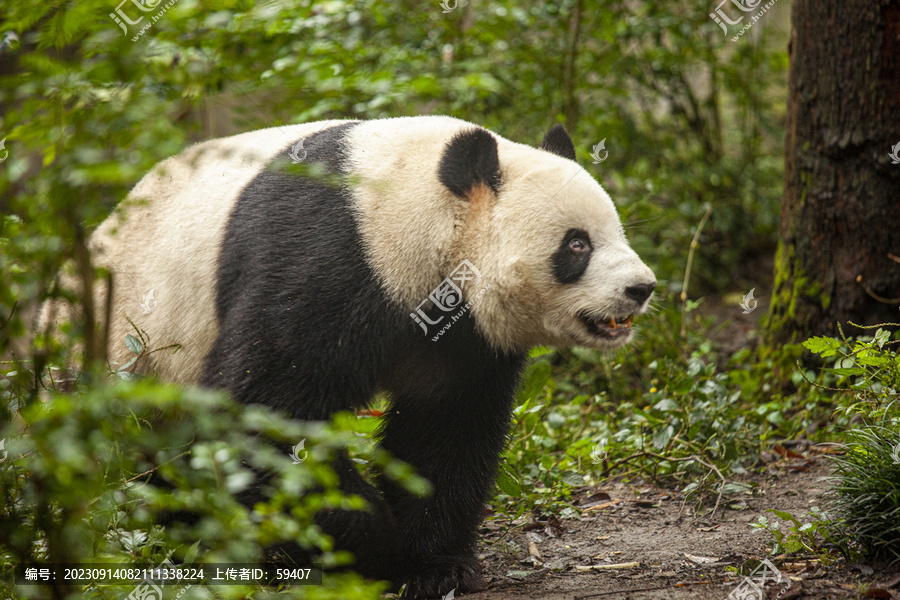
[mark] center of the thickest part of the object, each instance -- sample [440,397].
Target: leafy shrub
[866,494]
[815,538]
[74,486]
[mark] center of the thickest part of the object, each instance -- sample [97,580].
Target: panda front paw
[437,576]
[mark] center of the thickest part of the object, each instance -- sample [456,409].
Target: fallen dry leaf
[795,591]
[785,452]
[596,497]
[796,566]
[606,555]
[616,567]
[519,575]
[700,560]
[554,527]
[604,505]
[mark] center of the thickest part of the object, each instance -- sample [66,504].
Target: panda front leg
[453,436]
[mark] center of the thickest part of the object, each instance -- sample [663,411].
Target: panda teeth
[615,323]
[613,326]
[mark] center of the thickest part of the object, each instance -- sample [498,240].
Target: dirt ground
[674,553]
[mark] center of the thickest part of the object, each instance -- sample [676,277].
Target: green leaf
[846,371]
[128,364]
[134,344]
[509,485]
[735,487]
[192,552]
[666,405]
[823,346]
[662,436]
[555,420]
[784,516]
[872,360]
[128,376]
[540,351]
[536,377]
[572,478]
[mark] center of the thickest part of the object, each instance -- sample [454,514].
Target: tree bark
[571,108]
[840,219]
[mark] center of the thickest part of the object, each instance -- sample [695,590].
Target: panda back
[162,245]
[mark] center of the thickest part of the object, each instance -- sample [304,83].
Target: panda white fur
[310,296]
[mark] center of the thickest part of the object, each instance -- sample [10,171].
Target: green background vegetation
[693,122]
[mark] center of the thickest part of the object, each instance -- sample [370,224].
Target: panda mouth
[607,327]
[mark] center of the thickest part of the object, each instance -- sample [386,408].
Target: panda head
[556,266]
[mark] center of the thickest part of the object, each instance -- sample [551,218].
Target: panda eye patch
[571,259]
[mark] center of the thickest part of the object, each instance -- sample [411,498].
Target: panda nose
[639,293]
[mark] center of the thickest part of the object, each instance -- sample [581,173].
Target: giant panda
[424,261]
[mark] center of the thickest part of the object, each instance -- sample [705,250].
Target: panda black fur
[297,293]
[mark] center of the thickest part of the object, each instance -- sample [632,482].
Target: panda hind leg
[453,435]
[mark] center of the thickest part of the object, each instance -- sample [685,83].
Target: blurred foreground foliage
[75,488]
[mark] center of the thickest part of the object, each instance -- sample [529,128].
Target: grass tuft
[866,494]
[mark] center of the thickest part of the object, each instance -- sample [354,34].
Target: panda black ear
[470,159]
[558,142]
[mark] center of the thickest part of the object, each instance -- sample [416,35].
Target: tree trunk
[840,220]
